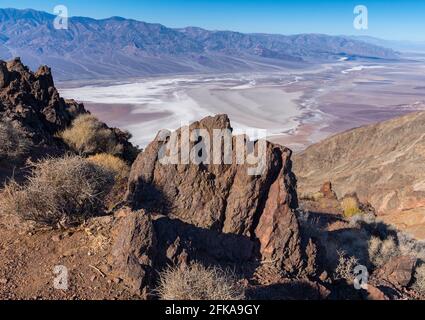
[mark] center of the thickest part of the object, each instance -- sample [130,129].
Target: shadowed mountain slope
[383,163]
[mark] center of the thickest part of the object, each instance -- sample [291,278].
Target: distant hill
[383,163]
[118,47]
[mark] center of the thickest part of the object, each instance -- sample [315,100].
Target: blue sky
[389,19]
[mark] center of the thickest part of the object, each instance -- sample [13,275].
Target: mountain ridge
[119,47]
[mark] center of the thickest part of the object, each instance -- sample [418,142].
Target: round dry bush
[111,163]
[196,282]
[89,136]
[59,192]
[13,142]
[381,251]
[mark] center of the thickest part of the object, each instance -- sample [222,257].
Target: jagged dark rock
[223,206]
[30,102]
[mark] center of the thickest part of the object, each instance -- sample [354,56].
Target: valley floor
[296,108]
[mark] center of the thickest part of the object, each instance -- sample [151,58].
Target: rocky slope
[121,47]
[383,163]
[176,214]
[31,105]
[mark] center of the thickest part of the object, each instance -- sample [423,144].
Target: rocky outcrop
[398,271]
[383,163]
[220,210]
[30,103]
[134,250]
[32,100]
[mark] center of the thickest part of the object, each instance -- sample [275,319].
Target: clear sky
[388,19]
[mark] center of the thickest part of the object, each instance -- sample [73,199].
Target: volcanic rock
[134,250]
[30,103]
[232,215]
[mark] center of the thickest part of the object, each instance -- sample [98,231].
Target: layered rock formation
[219,213]
[383,163]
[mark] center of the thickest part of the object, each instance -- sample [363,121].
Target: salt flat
[147,106]
[296,108]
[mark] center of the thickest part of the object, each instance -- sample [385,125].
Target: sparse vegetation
[111,163]
[196,282]
[121,172]
[346,265]
[88,136]
[14,142]
[419,284]
[59,191]
[351,206]
[381,251]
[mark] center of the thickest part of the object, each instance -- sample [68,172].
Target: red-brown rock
[224,198]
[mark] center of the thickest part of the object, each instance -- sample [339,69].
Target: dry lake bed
[297,108]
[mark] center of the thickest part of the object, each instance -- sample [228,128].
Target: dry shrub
[121,171]
[59,192]
[351,206]
[312,196]
[14,142]
[381,251]
[111,163]
[346,266]
[196,282]
[359,220]
[89,136]
[419,284]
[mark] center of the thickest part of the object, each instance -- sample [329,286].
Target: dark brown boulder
[225,198]
[134,250]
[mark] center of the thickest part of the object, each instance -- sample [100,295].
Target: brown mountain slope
[383,163]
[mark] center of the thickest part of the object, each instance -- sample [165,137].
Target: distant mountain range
[402,46]
[118,47]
